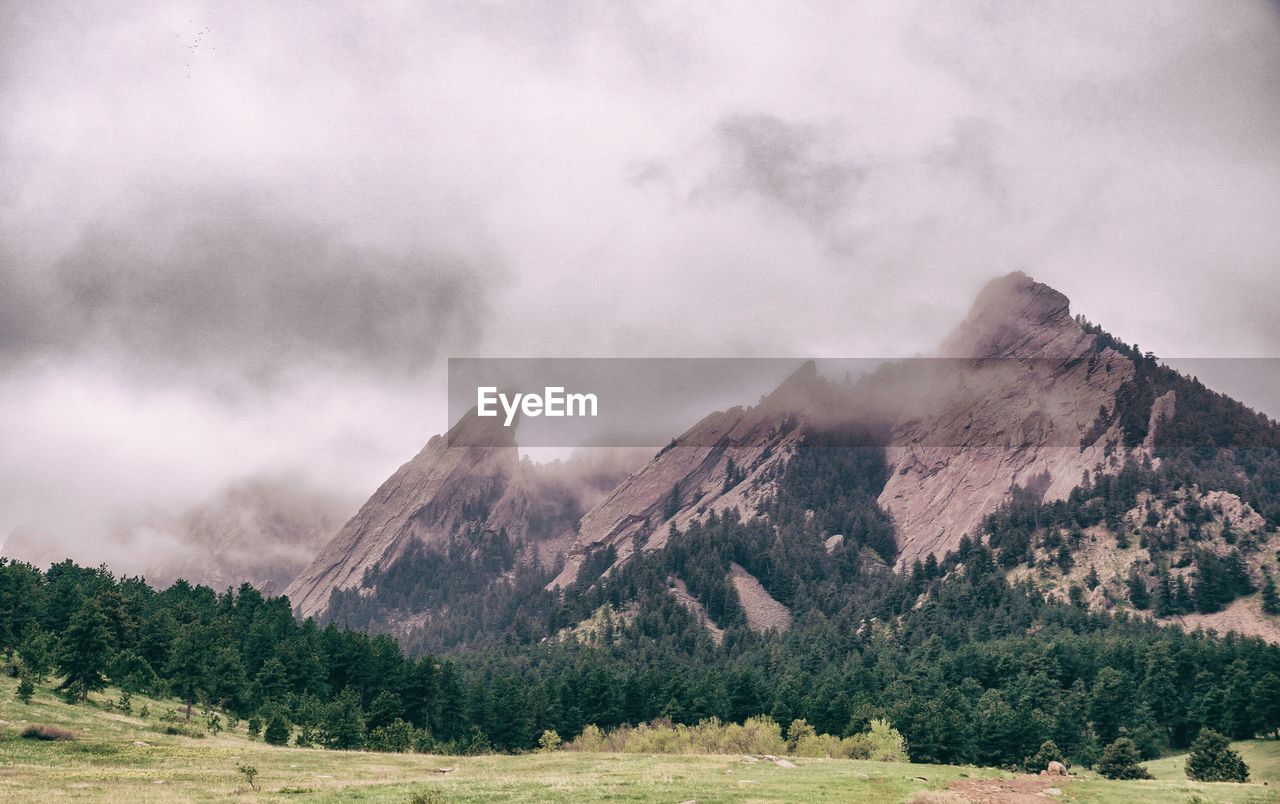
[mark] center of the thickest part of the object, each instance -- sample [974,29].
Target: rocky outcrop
[1012,402]
[449,485]
[679,590]
[471,479]
[763,612]
[694,476]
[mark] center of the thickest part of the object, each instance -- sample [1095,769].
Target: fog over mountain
[239,240]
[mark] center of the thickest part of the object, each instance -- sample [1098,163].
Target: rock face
[452,486]
[1021,396]
[1016,390]
[684,482]
[763,612]
[449,485]
[1022,414]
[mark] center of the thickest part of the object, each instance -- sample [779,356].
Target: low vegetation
[118,757]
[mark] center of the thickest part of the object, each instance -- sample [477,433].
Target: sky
[241,239]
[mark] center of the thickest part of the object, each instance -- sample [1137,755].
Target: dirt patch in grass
[1022,789]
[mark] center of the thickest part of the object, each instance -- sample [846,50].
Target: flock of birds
[194,45]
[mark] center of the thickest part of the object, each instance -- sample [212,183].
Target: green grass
[104,764]
[1262,757]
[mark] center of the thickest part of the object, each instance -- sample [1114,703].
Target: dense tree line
[978,671]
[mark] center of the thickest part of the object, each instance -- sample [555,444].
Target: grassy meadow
[124,758]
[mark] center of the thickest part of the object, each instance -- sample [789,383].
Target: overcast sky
[240,239]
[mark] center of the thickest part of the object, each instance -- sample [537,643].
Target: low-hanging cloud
[220,284]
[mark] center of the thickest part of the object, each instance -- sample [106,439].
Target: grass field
[123,758]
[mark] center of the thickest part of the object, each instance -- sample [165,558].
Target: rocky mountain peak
[1016,316]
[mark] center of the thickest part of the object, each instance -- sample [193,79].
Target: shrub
[25,690]
[549,741]
[797,731]
[887,743]
[126,702]
[1213,760]
[37,731]
[591,739]
[250,773]
[395,737]
[255,727]
[757,735]
[1049,752]
[1120,761]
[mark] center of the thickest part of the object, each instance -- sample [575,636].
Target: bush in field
[37,731]
[797,731]
[1120,761]
[591,739]
[25,690]
[1213,760]
[549,741]
[756,735]
[887,743]
[250,773]
[395,737]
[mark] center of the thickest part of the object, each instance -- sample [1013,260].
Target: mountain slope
[447,486]
[824,483]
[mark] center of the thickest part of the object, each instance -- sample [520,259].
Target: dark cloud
[789,164]
[221,284]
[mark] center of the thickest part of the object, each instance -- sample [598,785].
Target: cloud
[217,283]
[790,164]
[313,208]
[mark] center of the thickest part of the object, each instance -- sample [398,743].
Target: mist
[239,240]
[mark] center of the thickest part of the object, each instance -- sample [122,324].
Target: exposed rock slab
[763,612]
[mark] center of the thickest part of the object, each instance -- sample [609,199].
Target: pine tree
[188,662]
[344,722]
[1213,760]
[25,690]
[1270,600]
[277,731]
[1138,595]
[82,656]
[272,682]
[1120,761]
[1265,705]
[1166,602]
[385,709]
[1091,580]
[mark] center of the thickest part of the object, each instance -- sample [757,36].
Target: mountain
[466,485]
[1025,426]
